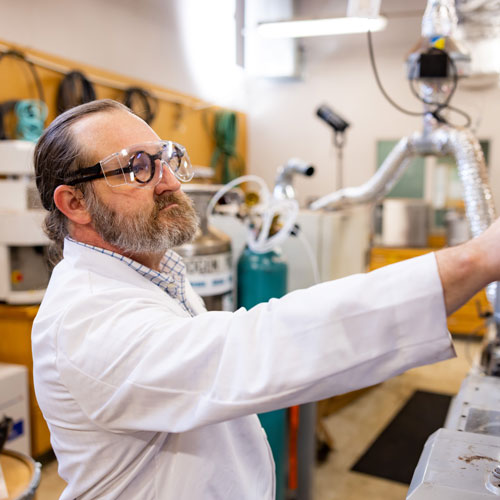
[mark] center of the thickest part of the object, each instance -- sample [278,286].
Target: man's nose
[168,181]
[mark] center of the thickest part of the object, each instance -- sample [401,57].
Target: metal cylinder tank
[208,257]
[261,277]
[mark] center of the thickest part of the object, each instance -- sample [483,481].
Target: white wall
[187,45]
[111,34]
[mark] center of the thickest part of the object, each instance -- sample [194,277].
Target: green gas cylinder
[263,276]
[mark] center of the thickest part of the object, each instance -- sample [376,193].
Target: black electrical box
[433,64]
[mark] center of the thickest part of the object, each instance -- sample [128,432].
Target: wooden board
[180,118]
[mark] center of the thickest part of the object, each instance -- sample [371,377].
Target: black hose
[74,90]
[141,102]
[19,55]
[9,106]
[5,107]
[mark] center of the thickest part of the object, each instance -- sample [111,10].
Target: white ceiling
[390,8]
[402,32]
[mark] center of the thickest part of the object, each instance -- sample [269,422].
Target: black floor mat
[395,453]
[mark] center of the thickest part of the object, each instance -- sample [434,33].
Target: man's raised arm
[467,268]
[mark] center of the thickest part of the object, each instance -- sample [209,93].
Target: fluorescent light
[321,27]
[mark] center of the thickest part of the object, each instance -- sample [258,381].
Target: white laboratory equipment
[24,272]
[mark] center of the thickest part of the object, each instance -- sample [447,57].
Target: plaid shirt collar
[171,278]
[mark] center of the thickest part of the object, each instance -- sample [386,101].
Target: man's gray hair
[57,154]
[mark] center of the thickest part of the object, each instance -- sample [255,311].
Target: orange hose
[293,418]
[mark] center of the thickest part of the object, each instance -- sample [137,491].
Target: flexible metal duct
[375,188]
[479,205]
[465,148]
[438,140]
[440,19]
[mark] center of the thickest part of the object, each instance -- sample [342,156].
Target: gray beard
[155,232]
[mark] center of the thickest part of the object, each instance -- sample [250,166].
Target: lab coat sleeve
[133,365]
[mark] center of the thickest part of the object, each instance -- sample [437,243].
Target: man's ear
[71,203]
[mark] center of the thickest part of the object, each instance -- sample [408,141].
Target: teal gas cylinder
[263,276]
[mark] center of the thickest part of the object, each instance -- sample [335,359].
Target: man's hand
[467,268]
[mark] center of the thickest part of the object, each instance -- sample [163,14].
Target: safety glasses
[140,165]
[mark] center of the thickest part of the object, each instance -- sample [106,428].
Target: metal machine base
[462,461]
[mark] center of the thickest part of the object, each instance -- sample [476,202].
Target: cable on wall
[141,102]
[19,55]
[164,95]
[30,113]
[74,89]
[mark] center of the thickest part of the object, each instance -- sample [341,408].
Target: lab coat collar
[80,256]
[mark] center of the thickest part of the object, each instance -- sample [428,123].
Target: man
[147,395]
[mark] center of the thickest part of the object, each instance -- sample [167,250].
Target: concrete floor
[354,428]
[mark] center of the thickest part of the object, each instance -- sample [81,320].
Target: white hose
[235,182]
[288,211]
[268,207]
[312,257]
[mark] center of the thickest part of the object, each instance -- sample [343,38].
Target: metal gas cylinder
[208,257]
[261,277]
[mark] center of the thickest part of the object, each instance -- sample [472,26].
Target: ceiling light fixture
[320,27]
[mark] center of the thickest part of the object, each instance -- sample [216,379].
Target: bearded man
[148,396]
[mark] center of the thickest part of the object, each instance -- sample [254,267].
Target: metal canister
[405,222]
[261,277]
[208,257]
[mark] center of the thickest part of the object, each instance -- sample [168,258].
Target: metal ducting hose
[375,188]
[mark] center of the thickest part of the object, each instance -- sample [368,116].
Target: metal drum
[20,476]
[208,257]
[405,222]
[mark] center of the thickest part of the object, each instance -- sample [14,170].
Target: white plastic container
[14,403]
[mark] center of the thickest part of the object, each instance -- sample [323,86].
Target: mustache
[166,199]
[185,205]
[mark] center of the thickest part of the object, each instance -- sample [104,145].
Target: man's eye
[141,167]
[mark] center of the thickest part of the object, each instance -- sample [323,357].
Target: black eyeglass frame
[97,172]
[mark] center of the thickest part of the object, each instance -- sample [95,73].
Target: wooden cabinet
[467,320]
[15,347]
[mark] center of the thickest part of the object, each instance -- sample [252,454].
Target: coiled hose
[142,103]
[74,90]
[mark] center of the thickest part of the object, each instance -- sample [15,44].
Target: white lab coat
[145,402]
